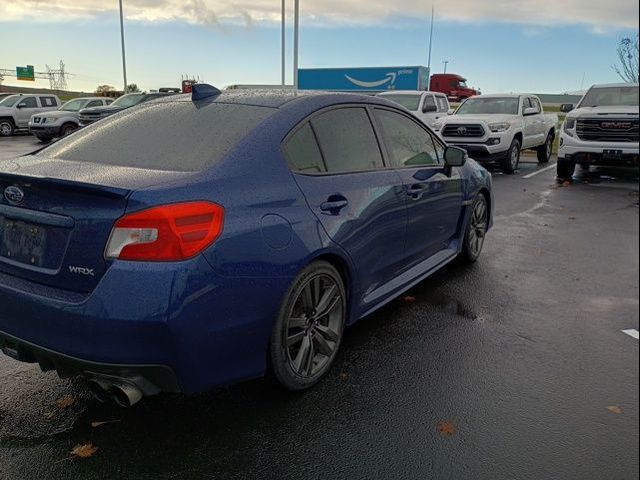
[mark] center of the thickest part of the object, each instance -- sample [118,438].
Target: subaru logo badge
[13,194]
[462,130]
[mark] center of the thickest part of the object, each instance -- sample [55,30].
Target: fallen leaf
[409,299]
[66,402]
[446,429]
[615,409]
[84,451]
[99,424]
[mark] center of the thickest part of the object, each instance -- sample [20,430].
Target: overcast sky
[499,45]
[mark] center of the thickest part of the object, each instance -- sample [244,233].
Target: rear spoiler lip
[104,190]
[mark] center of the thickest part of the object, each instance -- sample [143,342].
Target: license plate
[611,154]
[22,242]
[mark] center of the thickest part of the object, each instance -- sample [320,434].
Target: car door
[540,133]
[26,107]
[530,124]
[339,168]
[432,194]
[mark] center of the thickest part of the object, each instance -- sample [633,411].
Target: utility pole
[430,40]
[296,41]
[124,61]
[445,65]
[283,40]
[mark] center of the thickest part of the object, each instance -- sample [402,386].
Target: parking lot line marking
[540,171]
[632,332]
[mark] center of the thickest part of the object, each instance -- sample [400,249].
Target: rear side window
[176,136]
[303,153]
[48,102]
[408,144]
[347,140]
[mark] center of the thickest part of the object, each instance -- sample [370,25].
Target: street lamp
[124,61]
[283,40]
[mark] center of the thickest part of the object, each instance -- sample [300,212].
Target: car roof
[505,95]
[410,92]
[276,98]
[615,85]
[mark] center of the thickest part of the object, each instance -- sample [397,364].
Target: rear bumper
[178,325]
[160,376]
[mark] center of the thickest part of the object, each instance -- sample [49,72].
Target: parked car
[66,119]
[427,106]
[90,115]
[495,128]
[16,110]
[452,85]
[200,240]
[601,130]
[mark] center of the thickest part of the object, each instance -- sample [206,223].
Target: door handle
[334,204]
[416,190]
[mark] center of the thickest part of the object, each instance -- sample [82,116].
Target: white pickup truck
[427,106]
[495,128]
[601,130]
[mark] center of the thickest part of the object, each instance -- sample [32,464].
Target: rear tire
[512,160]
[544,151]
[309,329]
[566,169]
[476,230]
[7,127]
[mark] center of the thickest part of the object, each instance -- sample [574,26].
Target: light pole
[124,61]
[430,40]
[283,40]
[445,65]
[296,41]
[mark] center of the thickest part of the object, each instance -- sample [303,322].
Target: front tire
[544,151]
[68,129]
[476,230]
[566,169]
[512,160]
[6,127]
[310,325]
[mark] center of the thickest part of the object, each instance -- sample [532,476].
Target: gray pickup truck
[16,110]
[58,123]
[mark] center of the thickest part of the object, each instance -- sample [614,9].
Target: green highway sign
[25,73]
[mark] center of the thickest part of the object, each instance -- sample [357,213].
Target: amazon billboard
[374,79]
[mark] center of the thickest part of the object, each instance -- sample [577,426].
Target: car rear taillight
[166,233]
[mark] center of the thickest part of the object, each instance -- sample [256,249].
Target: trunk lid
[56,217]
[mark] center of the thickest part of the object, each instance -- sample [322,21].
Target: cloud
[598,16]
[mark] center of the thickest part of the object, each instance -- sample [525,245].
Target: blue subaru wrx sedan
[201,240]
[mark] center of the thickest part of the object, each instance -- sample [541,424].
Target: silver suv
[16,110]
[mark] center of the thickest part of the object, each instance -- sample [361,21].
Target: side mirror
[455,156]
[529,111]
[429,108]
[21,105]
[451,111]
[566,107]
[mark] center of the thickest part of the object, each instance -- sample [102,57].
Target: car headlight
[499,127]
[568,126]
[47,120]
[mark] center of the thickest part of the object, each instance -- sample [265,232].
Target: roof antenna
[201,91]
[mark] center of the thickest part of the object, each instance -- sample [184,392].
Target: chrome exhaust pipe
[125,394]
[99,389]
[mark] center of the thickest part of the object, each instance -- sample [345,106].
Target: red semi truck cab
[452,85]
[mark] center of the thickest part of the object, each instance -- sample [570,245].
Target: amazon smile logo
[389,78]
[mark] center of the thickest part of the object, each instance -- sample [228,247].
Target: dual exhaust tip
[122,392]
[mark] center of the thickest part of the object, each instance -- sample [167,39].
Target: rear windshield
[410,102]
[175,136]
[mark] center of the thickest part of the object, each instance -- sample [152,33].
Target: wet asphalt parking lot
[515,368]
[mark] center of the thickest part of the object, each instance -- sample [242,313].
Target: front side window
[443,106]
[303,153]
[408,144]
[94,103]
[29,102]
[347,140]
